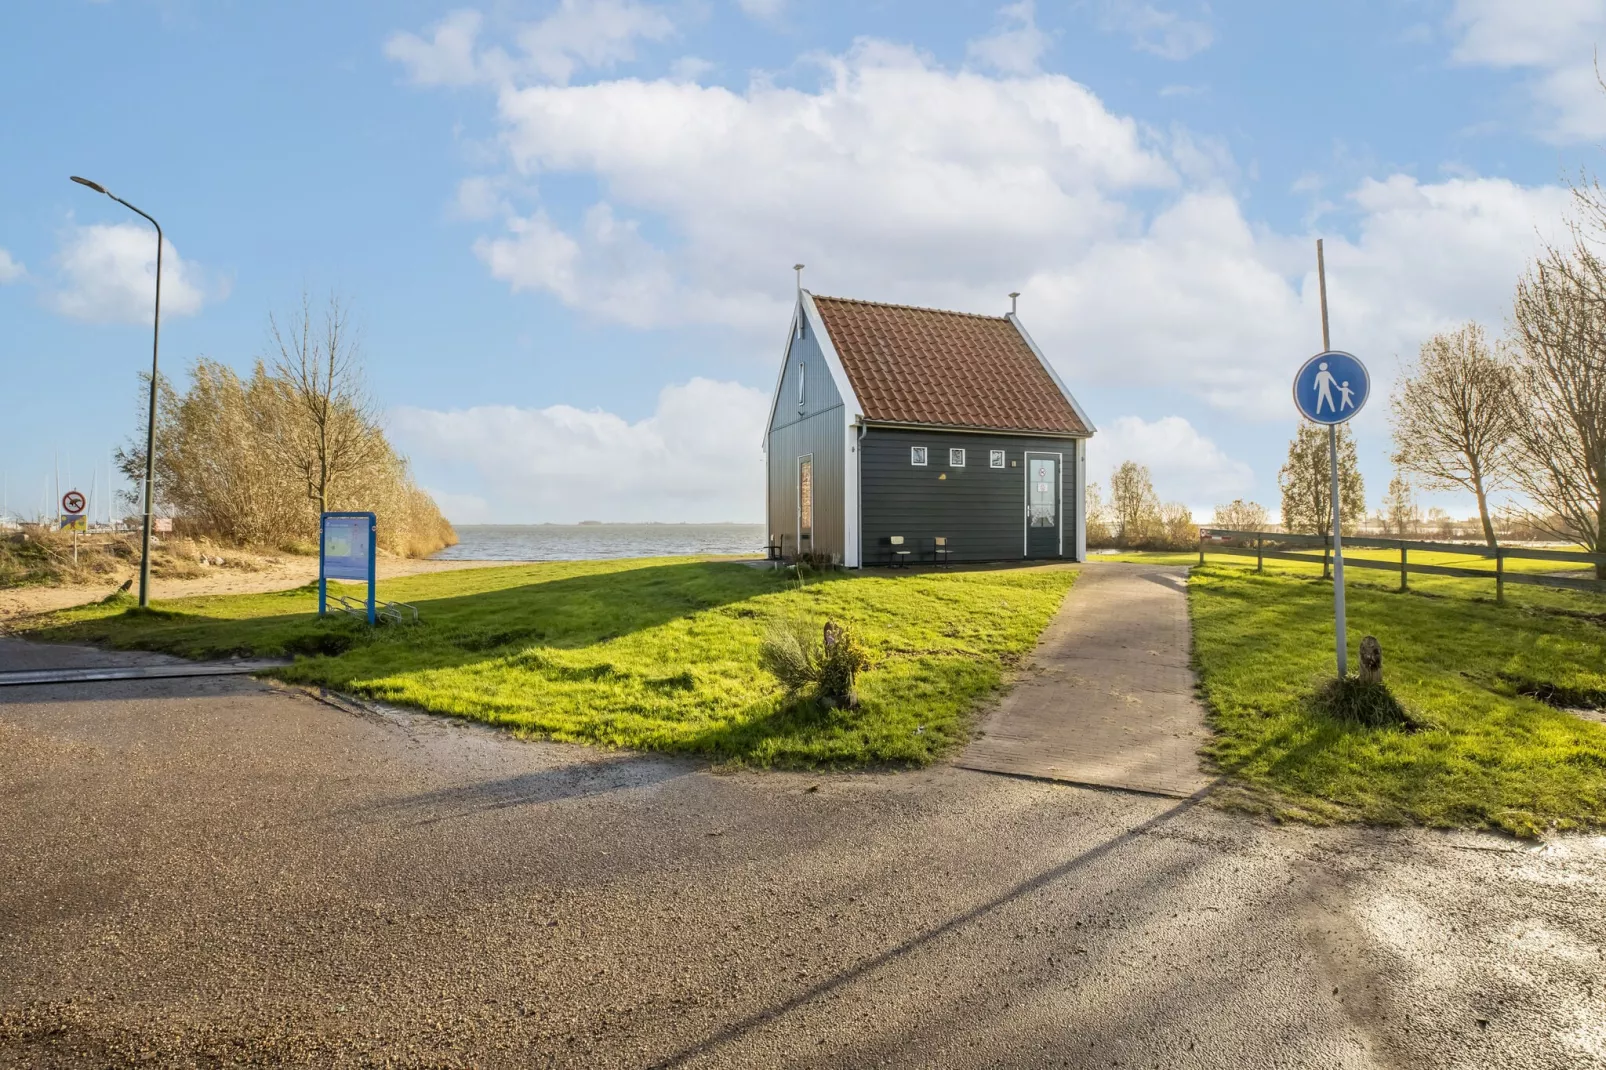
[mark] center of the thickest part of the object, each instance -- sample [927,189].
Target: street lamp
[150,429]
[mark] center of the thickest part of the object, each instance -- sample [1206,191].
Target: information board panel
[345,547]
[347,543]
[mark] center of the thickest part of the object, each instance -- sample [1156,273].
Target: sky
[567,227]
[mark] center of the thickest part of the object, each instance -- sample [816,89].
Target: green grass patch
[1480,748]
[658,654]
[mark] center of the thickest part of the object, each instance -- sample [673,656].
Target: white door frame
[1026,500]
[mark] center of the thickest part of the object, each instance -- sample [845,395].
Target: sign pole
[1332,458]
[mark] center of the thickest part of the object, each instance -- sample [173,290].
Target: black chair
[897,552]
[940,551]
[772,549]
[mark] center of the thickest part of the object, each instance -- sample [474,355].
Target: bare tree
[319,363]
[1455,415]
[1239,515]
[1400,513]
[1133,503]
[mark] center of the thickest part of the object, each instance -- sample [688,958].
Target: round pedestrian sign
[72,502]
[1331,387]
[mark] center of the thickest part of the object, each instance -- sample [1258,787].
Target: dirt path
[285,573]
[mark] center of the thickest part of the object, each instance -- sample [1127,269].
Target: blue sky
[567,227]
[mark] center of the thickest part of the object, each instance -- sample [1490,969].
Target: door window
[1042,492]
[805,497]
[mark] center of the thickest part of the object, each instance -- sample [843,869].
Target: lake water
[571,542]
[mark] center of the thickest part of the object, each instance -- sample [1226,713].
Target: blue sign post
[347,546]
[1330,389]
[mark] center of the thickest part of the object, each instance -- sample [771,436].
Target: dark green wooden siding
[981,510]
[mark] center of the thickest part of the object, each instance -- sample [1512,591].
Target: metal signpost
[1330,389]
[347,546]
[72,517]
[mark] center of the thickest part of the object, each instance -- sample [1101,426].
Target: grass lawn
[658,654]
[1489,756]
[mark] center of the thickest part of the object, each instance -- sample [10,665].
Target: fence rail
[1272,544]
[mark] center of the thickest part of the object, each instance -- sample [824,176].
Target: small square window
[956,458]
[917,455]
[996,458]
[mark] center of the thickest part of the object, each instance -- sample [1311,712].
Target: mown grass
[1487,756]
[646,654]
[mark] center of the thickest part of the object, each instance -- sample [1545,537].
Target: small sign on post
[72,502]
[347,546]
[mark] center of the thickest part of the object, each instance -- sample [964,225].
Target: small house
[912,435]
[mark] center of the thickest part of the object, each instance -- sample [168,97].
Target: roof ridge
[910,308]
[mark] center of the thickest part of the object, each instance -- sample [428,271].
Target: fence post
[1499,576]
[1260,554]
[1404,583]
[1201,546]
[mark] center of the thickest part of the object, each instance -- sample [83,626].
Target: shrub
[830,663]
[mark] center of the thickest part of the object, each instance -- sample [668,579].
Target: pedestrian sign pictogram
[1331,387]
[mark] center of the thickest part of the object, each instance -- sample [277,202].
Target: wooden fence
[1277,545]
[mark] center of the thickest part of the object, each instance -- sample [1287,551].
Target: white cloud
[897,179]
[1557,41]
[1185,465]
[10,270]
[1163,33]
[1016,45]
[108,275]
[577,35]
[695,458]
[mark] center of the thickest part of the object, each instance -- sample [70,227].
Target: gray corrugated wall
[817,429]
[981,510]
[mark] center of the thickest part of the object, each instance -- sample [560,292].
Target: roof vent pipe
[1012,298]
[799,269]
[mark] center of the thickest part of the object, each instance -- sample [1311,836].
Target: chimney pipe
[799,269]
[1012,298]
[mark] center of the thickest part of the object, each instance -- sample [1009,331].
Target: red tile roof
[926,366]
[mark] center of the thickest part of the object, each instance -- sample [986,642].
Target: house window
[956,458]
[996,458]
[802,381]
[917,455]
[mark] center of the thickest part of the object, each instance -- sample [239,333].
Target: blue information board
[1331,387]
[347,545]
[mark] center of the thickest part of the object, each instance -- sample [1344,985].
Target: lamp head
[96,186]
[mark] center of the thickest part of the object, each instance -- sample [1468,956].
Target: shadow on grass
[454,630]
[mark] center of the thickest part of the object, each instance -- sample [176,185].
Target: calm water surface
[570,542]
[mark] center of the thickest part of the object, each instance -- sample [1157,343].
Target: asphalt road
[215,872]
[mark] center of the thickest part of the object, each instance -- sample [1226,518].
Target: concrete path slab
[1108,697]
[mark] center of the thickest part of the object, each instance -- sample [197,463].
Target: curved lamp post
[150,429]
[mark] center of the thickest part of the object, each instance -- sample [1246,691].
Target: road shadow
[915,943]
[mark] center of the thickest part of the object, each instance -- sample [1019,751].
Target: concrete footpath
[1108,696]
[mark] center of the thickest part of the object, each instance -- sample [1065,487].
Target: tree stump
[1371,661]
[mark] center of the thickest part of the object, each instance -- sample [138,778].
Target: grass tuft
[1360,702]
